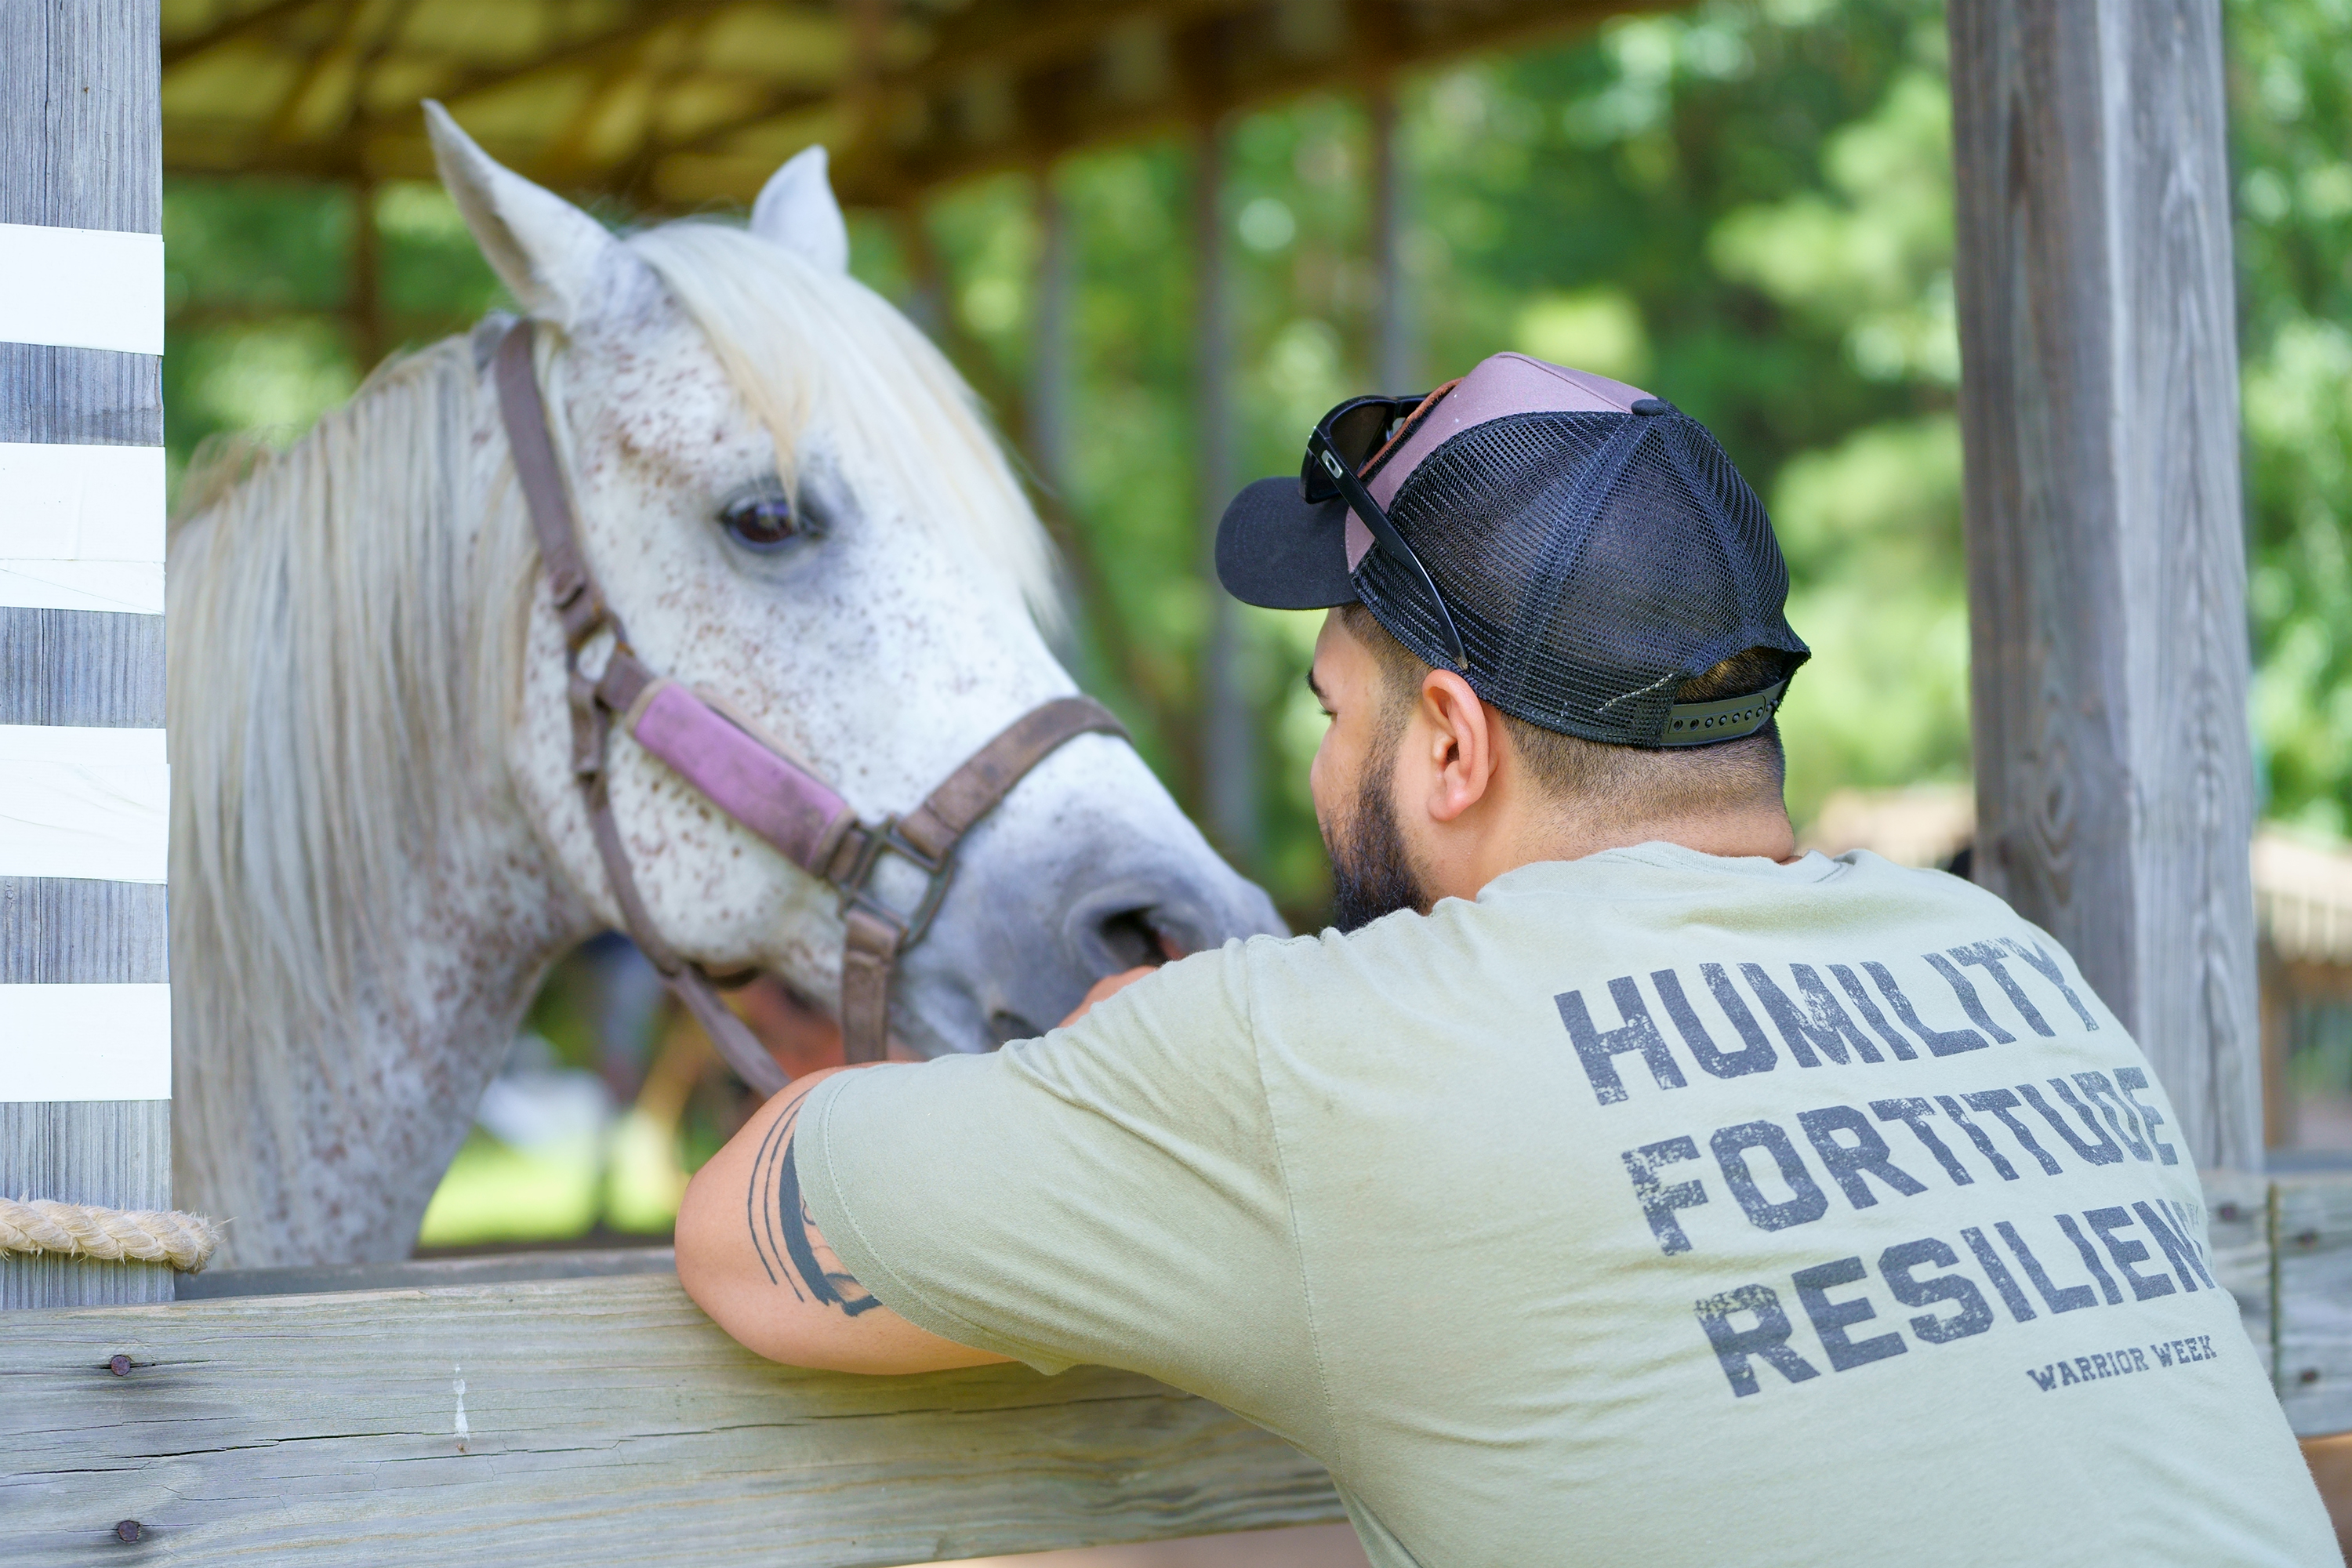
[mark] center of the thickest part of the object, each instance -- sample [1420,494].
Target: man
[1615,1185]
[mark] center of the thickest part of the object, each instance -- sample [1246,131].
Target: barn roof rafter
[676,104]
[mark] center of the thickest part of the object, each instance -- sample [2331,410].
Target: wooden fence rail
[455,1413]
[582,1421]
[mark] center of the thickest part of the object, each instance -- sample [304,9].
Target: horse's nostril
[1131,938]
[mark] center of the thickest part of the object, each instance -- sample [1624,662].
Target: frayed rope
[185,1241]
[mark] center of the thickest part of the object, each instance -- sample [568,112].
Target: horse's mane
[342,642]
[345,640]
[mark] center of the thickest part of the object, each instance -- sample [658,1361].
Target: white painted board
[80,503]
[81,288]
[84,1042]
[124,587]
[78,802]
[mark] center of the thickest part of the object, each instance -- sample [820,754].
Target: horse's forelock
[795,339]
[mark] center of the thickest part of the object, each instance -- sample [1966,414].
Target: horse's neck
[332,1154]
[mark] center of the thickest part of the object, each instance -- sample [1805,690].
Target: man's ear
[797,211]
[544,249]
[1464,736]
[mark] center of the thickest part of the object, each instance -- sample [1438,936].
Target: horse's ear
[542,247]
[796,210]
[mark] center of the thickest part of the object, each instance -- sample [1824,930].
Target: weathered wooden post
[1396,348]
[1056,339]
[84,1009]
[1228,727]
[2106,550]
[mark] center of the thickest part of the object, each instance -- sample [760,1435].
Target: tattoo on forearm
[785,1235]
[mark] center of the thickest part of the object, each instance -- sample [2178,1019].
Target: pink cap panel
[1501,385]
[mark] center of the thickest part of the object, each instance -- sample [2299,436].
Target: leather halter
[749,776]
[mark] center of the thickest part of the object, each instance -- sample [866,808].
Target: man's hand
[750,1257]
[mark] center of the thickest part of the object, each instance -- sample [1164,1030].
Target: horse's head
[788,497]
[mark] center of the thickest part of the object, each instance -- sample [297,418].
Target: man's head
[1421,789]
[1557,626]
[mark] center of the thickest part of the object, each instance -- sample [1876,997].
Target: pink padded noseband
[768,792]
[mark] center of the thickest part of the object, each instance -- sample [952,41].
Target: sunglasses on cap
[1343,445]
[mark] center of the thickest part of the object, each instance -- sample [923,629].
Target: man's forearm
[749,1255]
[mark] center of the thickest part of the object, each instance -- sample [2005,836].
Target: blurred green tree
[2291,123]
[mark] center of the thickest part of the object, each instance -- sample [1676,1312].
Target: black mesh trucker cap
[1585,548]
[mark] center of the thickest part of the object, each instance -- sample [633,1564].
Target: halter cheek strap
[749,776]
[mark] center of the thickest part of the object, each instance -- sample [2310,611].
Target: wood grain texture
[582,1421]
[90,397]
[1229,760]
[427,1274]
[2282,1245]
[2237,1236]
[117,1152]
[2106,555]
[81,666]
[2312,1227]
[79,932]
[81,131]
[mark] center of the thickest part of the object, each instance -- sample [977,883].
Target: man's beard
[1371,874]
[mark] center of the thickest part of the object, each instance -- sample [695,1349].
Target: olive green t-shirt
[1655,1207]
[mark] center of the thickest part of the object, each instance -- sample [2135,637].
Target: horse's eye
[760,521]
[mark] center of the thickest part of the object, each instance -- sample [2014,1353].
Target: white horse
[378,845]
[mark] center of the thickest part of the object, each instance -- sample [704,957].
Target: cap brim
[1279,552]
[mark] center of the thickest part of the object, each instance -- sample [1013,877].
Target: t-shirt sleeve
[1110,1193]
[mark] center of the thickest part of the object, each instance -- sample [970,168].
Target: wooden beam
[84,1049]
[2106,553]
[1236,80]
[2282,1245]
[364,307]
[1020,45]
[1228,723]
[1396,346]
[242,26]
[642,23]
[335,58]
[80,396]
[1047,428]
[615,42]
[1054,366]
[2310,1222]
[583,1420]
[564,155]
[363,35]
[1048,55]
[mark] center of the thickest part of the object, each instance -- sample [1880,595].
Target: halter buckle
[857,893]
